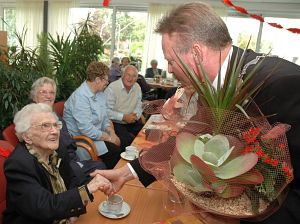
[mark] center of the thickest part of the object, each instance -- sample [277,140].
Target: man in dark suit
[153,71]
[279,96]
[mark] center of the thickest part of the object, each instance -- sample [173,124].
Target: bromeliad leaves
[234,90]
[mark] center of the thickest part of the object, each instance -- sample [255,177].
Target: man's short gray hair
[131,67]
[22,119]
[195,23]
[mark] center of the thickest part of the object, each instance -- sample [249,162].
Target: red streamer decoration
[276,25]
[105,3]
[260,18]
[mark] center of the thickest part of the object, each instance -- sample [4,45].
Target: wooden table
[145,203]
[163,86]
[148,205]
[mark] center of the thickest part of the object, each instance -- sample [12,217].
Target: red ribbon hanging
[105,3]
[260,18]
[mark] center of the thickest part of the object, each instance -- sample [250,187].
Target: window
[129,30]
[10,25]
[130,34]
[241,30]
[101,21]
[283,43]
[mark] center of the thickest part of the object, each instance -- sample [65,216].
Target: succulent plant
[208,167]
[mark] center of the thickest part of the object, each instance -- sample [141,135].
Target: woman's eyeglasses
[44,93]
[47,126]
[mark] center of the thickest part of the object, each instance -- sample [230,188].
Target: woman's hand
[118,177]
[115,139]
[100,183]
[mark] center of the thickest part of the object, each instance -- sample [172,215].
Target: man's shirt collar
[223,70]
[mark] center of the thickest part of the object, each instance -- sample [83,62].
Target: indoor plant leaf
[237,166]
[185,145]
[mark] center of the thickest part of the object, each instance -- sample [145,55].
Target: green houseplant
[62,58]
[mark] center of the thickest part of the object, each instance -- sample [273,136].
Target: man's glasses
[47,126]
[44,93]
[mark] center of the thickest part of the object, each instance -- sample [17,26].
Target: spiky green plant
[230,96]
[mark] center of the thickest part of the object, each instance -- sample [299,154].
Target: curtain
[59,15]
[29,19]
[152,44]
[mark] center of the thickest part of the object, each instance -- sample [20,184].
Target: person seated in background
[85,113]
[43,90]
[41,186]
[147,92]
[153,71]
[124,62]
[124,105]
[115,71]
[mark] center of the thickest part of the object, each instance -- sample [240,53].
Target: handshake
[109,181]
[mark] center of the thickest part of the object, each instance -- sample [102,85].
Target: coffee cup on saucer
[114,203]
[131,152]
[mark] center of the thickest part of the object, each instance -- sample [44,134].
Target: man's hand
[118,177]
[130,118]
[100,183]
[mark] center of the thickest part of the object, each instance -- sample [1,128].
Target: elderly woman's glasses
[44,93]
[47,126]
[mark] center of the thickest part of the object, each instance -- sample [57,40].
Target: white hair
[127,67]
[22,119]
[38,84]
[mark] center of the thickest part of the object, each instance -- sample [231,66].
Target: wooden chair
[7,146]
[88,144]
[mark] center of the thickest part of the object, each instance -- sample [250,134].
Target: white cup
[114,203]
[131,152]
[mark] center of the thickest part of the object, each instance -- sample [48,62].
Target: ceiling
[276,8]
[273,8]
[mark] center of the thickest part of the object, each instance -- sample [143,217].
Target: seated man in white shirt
[124,105]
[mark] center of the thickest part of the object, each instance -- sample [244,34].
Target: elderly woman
[43,90]
[85,114]
[153,71]
[40,183]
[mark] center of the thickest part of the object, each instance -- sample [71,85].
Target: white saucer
[124,156]
[124,211]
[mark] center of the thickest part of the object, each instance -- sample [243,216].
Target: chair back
[58,107]
[9,134]
[4,146]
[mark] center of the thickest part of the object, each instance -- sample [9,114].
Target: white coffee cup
[131,152]
[114,203]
